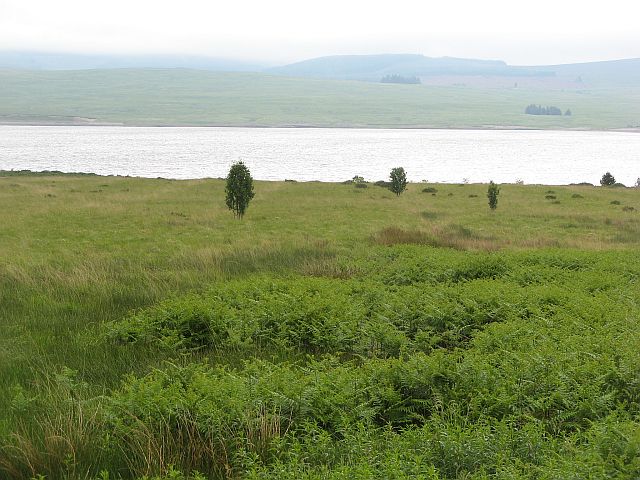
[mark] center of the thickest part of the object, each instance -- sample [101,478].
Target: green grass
[334,332]
[189,97]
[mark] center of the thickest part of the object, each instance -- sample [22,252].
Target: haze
[541,32]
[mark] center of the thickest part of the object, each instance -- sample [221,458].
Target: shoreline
[59,173]
[323,127]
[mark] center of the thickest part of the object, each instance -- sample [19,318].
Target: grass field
[191,97]
[335,332]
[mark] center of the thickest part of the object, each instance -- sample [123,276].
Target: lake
[533,156]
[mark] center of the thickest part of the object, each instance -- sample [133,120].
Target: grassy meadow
[197,98]
[334,332]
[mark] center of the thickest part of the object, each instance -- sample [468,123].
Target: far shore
[93,123]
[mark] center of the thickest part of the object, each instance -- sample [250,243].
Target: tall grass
[524,321]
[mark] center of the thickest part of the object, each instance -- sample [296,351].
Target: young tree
[239,189]
[492,195]
[398,180]
[607,180]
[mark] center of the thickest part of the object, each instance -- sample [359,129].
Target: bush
[382,183]
[492,194]
[429,190]
[607,180]
[576,195]
[615,202]
[398,180]
[550,197]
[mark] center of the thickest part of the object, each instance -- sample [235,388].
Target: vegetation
[540,110]
[239,189]
[400,79]
[189,97]
[333,333]
[398,183]
[607,180]
[492,194]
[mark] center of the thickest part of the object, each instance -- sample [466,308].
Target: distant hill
[72,61]
[613,72]
[444,71]
[447,71]
[375,67]
[197,97]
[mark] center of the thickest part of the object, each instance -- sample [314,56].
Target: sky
[520,32]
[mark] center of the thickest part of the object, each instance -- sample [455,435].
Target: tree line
[400,79]
[534,109]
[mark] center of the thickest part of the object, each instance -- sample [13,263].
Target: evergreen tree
[607,180]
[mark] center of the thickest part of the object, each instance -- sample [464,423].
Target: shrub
[239,189]
[550,197]
[429,190]
[492,194]
[627,209]
[607,180]
[382,183]
[615,202]
[398,180]
[576,195]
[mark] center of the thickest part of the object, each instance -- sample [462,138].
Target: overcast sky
[280,31]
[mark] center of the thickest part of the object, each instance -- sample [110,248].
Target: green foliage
[492,194]
[429,190]
[239,189]
[607,180]
[382,183]
[398,180]
[295,346]
[523,362]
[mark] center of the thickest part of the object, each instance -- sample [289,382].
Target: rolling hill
[197,97]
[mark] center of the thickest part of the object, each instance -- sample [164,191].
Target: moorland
[333,332]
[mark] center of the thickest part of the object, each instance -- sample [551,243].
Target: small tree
[398,180]
[492,195]
[239,189]
[607,180]
[638,183]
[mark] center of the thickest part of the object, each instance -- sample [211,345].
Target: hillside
[374,67]
[469,72]
[194,97]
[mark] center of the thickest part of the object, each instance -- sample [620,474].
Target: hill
[75,61]
[467,72]
[195,97]
[374,67]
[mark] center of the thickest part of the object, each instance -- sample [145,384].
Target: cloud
[544,31]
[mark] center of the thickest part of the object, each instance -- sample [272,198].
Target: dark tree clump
[398,180]
[239,189]
[492,195]
[540,110]
[400,79]
[607,180]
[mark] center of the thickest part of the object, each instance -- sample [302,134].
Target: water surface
[547,157]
